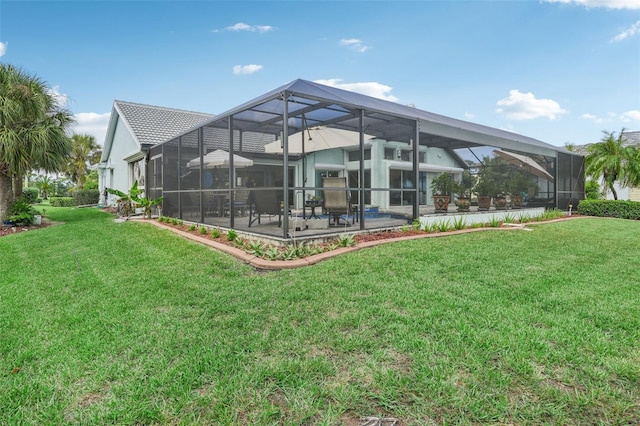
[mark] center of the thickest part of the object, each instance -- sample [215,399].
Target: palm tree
[45,185]
[608,159]
[84,151]
[32,131]
[632,175]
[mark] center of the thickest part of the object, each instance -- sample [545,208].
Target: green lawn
[126,323]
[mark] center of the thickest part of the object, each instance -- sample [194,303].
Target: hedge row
[62,201]
[86,196]
[610,208]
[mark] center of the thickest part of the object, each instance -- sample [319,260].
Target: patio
[270,228]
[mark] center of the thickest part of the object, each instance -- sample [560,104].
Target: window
[389,153]
[401,179]
[354,176]
[355,155]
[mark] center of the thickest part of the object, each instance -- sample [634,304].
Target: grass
[129,324]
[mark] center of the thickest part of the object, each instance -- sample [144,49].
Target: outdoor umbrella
[525,163]
[220,159]
[317,139]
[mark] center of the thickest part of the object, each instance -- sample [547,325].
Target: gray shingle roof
[152,124]
[629,138]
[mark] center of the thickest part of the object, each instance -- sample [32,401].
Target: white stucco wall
[337,159]
[623,193]
[117,175]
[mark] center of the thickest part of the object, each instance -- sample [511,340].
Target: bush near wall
[62,201]
[610,208]
[86,196]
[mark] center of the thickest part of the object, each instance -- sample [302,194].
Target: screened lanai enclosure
[307,159]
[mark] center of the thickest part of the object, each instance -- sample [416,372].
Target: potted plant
[442,186]
[518,185]
[500,200]
[463,190]
[484,188]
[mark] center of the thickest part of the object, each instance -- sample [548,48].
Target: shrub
[610,208]
[61,201]
[346,240]
[86,196]
[232,235]
[443,226]
[22,212]
[592,190]
[459,223]
[30,195]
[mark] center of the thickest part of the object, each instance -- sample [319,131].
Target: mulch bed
[17,229]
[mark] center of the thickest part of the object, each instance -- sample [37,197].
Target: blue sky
[561,71]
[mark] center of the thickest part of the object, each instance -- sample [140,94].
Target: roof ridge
[162,108]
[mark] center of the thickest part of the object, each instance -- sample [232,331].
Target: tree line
[34,135]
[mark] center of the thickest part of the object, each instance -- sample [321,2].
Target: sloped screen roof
[312,104]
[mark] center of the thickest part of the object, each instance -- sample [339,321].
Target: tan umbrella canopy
[219,159]
[317,139]
[525,163]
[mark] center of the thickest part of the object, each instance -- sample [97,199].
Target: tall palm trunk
[18,185]
[613,191]
[6,195]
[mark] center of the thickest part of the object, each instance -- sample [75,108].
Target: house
[133,129]
[290,138]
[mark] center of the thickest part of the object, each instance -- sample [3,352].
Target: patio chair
[264,202]
[335,201]
[215,203]
[240,202]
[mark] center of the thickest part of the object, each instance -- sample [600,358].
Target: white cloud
[592,117]
[3,48]
[241,26]
[246,69]
[607,4]
[92,123]
[625,117]
[355,44]
[633,115]
[629,32]
[469,115]
[376,90]
[525,106]
[62,100]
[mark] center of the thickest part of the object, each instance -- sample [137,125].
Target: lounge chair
[264,202]
[335,201]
